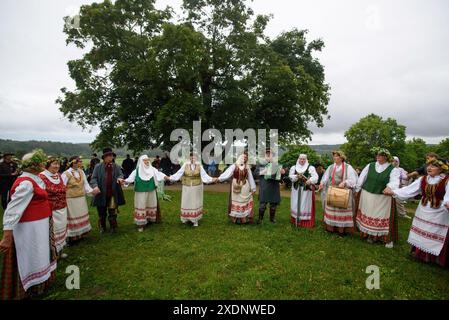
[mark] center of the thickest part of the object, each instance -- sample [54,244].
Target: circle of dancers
[47,207]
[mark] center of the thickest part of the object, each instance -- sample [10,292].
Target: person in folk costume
[302,201]
[340,175]
[78,223]
[146,205]
[403,181]
[269,190]
[106,180]
[243,187]
[29,260]
[429,234]
[376,215]
[192,175]
[56,189]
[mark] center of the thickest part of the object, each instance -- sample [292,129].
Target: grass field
[219,260]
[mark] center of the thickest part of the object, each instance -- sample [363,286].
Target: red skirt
[308,224]
[441,260]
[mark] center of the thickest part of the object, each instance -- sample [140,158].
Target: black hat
[107,152]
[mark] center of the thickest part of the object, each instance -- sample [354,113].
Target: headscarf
[302,168]
[145,172]
[397,159]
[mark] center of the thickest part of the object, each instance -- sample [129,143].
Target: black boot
[272,214]
[261,213]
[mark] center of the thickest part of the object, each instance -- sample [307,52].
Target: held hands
[96,191]
[6,242]
[167,178]
[320,187]
[447,205]
[342,185]
[215,180]
[283,171]
[121,181]
[388,191]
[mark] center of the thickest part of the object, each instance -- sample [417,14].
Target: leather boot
[261,213]
[272,214]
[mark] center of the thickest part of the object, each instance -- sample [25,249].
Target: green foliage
[145,74]
[414,154]
[290,157]
[442,149]
[370,132]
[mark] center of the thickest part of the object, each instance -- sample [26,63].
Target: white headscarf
[241,162]
[397,159]
[145,172]
[299,167]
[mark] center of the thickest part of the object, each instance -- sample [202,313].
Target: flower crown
[36,158]
[439,163]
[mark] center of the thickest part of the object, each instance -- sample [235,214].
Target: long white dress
[31,239]
[374,211]
[306,215]
[241,203]
[192,196]
[333,216]
[145,203]
[78,222]
[430,226]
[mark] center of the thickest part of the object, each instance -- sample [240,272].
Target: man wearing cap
[376,218]
[107,178]
[270,177]
[8,174]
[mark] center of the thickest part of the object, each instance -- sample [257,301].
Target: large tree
[143,74]
[369,132]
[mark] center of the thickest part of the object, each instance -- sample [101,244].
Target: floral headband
[33,160]
[382,152]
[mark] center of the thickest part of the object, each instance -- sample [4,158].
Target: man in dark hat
[106,178]
[8,174]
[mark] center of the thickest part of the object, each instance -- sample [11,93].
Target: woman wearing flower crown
[339,175]
[429,235]
[376,217]
[78,223]
[29,259]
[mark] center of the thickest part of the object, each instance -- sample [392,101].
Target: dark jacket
[99,180]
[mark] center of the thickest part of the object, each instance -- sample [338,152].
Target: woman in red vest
[429,235]
[56,189]
[30,255]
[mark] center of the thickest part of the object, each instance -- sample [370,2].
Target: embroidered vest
[191,177]
[75,186]
[56,192]
[240,175]
[377,182]
[338,177]
[39,207]
[143,186]
[433,193]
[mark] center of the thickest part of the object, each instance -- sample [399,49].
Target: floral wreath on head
[51,159]
[382,151]
[33,160]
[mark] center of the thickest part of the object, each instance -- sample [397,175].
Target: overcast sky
[389,57]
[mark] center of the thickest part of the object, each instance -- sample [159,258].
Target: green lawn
[219,260]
